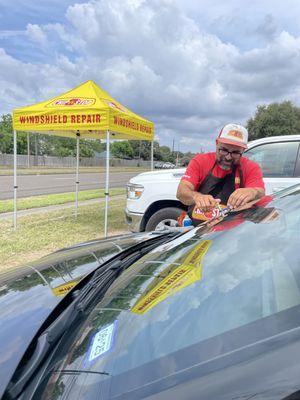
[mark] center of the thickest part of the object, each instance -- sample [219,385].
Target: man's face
[228,155]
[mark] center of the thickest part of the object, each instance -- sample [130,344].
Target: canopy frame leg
[15,179]
[106,185]
[152,152]
[28,150]
[77,174]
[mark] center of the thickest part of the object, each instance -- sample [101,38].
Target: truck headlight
[134,191]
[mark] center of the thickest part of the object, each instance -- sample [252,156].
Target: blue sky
[190,66]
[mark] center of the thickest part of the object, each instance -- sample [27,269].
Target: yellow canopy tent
[87,112]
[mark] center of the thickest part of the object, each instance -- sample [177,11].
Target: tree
[122,150]
[146,150]
[142,149]
[6,137]
[186,158]
[89,147]
[167,154]
[136,147]
[275,119]
[6,134]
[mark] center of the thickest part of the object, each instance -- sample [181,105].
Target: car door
[279,164]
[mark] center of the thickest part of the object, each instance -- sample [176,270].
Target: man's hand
[187,195]
[205,201]
[242,196]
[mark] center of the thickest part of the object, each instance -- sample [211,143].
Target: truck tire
[164,218]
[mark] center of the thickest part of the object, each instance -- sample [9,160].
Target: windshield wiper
[100,281]
[45,343]
[78,372]
[48,340]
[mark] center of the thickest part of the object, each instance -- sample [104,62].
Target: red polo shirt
[200,166]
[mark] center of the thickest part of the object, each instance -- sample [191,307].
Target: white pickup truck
[151,196]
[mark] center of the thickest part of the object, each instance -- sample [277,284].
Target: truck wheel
[164,218]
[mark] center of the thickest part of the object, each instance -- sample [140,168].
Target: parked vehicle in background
[163,165]
[210,313]
[158,164]
[151,196]
[167,165]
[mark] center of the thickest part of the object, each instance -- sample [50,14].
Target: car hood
[29,294]
[166,314]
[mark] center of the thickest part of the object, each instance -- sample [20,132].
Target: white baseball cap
[233,134]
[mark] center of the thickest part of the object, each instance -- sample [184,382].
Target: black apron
[219,188]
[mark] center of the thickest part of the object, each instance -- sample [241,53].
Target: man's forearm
[186,196]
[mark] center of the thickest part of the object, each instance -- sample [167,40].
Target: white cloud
[160,61]
[36,34]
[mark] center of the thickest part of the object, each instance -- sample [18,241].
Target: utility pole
[173,146]
[177,156]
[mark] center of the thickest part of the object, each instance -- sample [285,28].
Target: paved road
[33,185]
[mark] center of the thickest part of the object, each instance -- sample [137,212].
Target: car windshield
[236,280]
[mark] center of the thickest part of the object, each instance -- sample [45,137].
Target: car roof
[273,139]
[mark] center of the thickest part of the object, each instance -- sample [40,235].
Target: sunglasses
[234,153]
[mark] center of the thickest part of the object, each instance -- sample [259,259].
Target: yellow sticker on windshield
[196,255]
[184,275]
[63,289]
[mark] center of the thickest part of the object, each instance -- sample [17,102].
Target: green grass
[40,234]
[56,199]
[49,171]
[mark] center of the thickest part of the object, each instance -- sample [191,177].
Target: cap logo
[236,134]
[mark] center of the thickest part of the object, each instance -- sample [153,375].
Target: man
[224,176]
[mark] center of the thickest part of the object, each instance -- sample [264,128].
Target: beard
[226,164]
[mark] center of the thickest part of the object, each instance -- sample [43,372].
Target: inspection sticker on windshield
[102,342]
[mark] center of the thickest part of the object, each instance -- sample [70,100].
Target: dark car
[209,313]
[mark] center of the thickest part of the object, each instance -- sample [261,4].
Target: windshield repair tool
[219,211]
[223,211]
